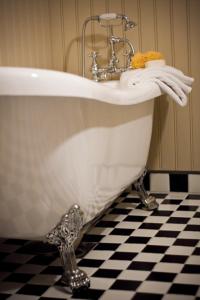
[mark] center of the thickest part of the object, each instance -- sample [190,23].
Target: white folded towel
[170,80]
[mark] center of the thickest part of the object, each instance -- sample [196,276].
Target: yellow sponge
[139,59]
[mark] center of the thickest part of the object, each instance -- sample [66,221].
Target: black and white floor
[138,255]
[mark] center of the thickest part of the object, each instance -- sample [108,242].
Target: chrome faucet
[112,68]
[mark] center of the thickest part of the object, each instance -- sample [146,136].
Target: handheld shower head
[129,25]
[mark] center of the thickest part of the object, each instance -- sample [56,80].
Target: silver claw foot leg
[64,236]
[147,200]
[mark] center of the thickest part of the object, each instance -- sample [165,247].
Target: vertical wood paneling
[56,30]
[183,149]
[47,34]
[194,25]
[147,25]
[25,33]
[165,108]
[71,37]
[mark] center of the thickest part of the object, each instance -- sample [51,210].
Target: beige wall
[46,34]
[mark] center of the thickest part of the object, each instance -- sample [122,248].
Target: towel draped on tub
[170,80]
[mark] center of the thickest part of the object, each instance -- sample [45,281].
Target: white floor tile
[115,264]
[149,257]
[131,247]
[134,275]
[154,287]
[101,283]
[117,239]
[159,182]
[117,295]
[173,227]
[193,260]
[194,183]
[188,278]
[44,279]
[179,250]
[168,267]
[98,254]
[161,241]
[144,233]
[57,292]
[159,220]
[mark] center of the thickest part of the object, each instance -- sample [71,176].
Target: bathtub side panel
[55,152]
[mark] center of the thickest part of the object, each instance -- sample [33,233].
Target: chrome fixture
[112,68]
[148,201]
[64,236]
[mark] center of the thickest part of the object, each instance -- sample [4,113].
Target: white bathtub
[63,140]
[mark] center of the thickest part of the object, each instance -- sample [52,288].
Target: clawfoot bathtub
[67,144]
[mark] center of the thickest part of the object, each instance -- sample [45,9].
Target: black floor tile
[92,238]
[18,277]
[53,270]
[95,263]
[193,196]
[178,220]
[192,228]
[92,294]
[196,251]
[137,240]
[128,285]
[197,215]
[186,242]
[142,266]
[120,211]
[178,182]
[147,296]
[172,201]
[178,259]
[123,255]
[150,226]
[161,213]
[187,208]
[167,233]
[122,231]
[33,289]
[107,246]
[42,259]
[161,276]
[107,273]
[8,267]
[184,289]
[133,218]
[4,296]
[155,249]
[192,269]
[106,224]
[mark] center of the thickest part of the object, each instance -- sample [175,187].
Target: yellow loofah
[152,55]
[139,59]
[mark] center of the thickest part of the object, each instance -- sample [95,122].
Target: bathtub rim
[18,81]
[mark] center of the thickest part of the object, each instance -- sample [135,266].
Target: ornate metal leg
[64,236]
[147,200]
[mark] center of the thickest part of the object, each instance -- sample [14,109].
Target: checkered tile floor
[138,255]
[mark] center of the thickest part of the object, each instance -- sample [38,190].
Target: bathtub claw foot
[148,201]
[63,236]
[77,280]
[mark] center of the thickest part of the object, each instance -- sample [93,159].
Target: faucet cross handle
[94,55]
